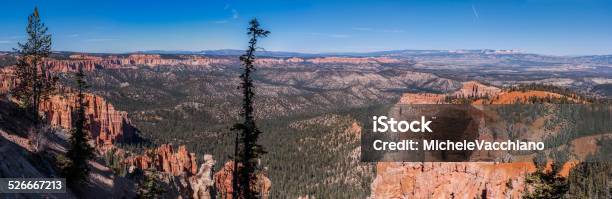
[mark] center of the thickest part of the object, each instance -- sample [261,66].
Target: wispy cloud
[365,29]
[220,21]
[475,13]
[99,40]
[72,35]
[235,14]
[329,35]
[5,42]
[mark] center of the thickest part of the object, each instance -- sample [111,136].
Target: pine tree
[35,83]
[80,151]
[546,184]
[150,188]
[247,149]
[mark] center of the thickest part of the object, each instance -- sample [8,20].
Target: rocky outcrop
[223,182]
[446,180]
[89,63]
[106,124]
[32,156]
[523,97]
[7,79]
[327,60]
[468,89]
[157,60]
[353,60]
[476,89]
[166,160]
[421,98]
[450,180]
[354,131]
[460,180]
[186,185]
[109,126]
[202,183]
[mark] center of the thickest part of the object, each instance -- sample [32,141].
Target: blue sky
[558,27]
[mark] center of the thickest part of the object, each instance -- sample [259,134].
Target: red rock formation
[7,79]
[354,130]
[421,98]
[474,88]
[350,60]
[523,97]
[223,182]
[202,183]
[90,63]
[276,61]
[166,160]
[456,180]
[326,60]
[106,124]
[447,180]
[73,65]
[113,62]
[199,185]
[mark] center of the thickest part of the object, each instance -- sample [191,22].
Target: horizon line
[333,53]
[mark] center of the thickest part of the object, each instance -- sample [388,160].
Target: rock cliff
[327,60]
[6,79]
[106,124]
[90,63]
[450,180]
[223,181]
[456,180]
[166,160]
[193,186]
[202,183]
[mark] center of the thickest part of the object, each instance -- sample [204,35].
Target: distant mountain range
[234,52]
[391,53]
[229,52]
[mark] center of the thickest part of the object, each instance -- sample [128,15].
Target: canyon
[90,63]
[106,124]
[309,108]
[109,127]
[72,62]
[466,179]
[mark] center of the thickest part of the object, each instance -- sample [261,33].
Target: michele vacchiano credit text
[384,124]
